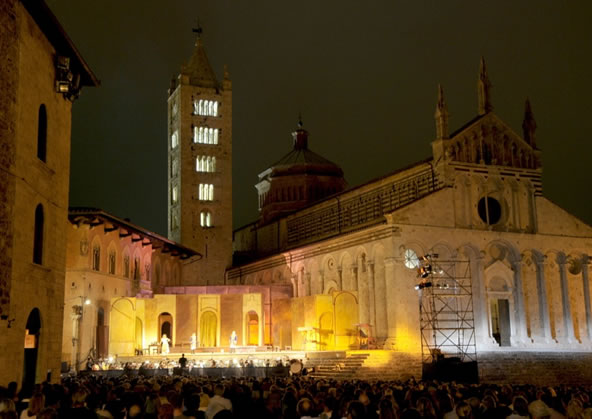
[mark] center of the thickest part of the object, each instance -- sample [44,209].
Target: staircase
[368,365]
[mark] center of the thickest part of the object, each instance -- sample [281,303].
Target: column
[363,296]
[389,283]
[586,287]
[294,281]
[340,278]
[520,315]
[307,287]
[371,297]
[76,315]
[322,281]
[567,320]
[543,302]
[354,277]
[480,302]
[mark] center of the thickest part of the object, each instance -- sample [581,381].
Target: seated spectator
[36,404]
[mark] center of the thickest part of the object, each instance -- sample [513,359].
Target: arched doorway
[208,329]
[32,332]
[252,328]
[165,325]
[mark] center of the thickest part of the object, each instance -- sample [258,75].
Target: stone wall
[540,368]
[9,51]
[27,82]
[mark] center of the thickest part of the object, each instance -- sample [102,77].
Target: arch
[38,235]
[345,309]
[112,258]
[42,133]
[501,303]
[165,325]
[330,287]
[208,328]
[252,326]
[95,261]
[126,262]
[122,330]
[30,363]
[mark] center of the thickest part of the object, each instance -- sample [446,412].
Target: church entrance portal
[32,332]
[500,321]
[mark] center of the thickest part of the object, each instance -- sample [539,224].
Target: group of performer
[165,342]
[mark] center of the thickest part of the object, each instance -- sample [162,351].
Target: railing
[350,214]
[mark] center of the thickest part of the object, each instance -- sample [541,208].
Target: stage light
[87,302]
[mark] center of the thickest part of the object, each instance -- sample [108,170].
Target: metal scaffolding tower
[446,310]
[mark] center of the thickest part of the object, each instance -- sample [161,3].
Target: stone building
[200,167]
[41,75]
[357,259]
[110,259]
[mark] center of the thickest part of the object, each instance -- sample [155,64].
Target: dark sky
[363,74]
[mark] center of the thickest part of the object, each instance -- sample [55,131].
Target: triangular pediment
[488,140]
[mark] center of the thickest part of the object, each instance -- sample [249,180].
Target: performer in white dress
[193,343]
[164,342]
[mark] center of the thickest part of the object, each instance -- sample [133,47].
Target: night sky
[364,76]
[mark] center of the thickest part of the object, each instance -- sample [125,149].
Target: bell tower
[200,167]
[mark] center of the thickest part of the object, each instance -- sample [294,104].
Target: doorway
[208,329]
[252,328]
[165,321]
[32,332]
[102,334]
[500,321]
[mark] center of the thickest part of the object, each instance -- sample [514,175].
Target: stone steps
[370,365]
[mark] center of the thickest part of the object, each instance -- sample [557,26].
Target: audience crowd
[182,397]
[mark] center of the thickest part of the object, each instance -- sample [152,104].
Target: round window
[411,259]
[490,210]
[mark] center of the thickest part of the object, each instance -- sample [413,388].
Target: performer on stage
[233,339]
[193,343]
[164,344]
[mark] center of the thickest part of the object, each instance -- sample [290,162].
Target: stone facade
[35,179]
[478,202]
[200,168]
[109,258]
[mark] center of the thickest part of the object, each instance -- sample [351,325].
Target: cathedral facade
[520,263]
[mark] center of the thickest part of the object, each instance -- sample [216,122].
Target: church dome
[297,180]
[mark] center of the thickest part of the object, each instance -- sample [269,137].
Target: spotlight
[423,284]
[425,271]
[87,302]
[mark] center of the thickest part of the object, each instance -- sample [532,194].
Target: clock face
[411,259]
